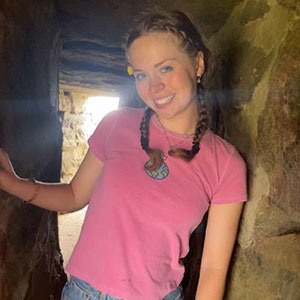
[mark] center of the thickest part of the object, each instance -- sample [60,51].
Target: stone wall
[73,115]
[256,80]
[30,260]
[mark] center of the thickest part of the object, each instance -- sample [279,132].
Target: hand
[7,173]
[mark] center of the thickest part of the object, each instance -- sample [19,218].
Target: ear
[200,63]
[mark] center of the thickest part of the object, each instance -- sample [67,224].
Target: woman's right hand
[53,196]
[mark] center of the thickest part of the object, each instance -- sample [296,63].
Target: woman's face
[165,75]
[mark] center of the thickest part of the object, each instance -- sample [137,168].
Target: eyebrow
[157,64]
[162,62]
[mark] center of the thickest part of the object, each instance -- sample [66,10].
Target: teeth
[164,100]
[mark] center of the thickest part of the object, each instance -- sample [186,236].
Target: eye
[166,69]
[139,76]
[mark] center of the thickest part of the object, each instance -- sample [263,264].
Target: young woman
[149,177]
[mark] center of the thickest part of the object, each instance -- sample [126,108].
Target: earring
[198,79]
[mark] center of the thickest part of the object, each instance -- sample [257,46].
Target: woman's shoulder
[126,113]
[223,157]
[217,145]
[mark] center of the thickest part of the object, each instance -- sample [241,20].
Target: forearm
[55,197]
[211,285]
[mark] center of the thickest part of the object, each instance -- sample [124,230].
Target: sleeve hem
[101,157]
[229,202]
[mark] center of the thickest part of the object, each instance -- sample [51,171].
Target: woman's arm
[222,225]
[56,196]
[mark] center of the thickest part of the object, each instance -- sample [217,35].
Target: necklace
[163,171]
[171,147]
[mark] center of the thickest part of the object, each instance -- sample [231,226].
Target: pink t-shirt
[137,228]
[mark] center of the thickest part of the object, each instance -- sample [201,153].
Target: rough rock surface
[30,259]
[74,148]
[260,72]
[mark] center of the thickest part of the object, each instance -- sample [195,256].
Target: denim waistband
[77,289]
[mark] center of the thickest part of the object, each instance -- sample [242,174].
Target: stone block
[268,270]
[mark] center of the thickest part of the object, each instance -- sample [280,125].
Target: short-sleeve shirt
[137,227]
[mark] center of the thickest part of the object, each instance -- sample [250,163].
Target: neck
[183,123]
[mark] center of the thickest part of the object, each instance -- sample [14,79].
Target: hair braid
[201,127]
[187,43]
[202,123]
[144,129]
[155,155]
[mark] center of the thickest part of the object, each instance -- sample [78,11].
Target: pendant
[161,173]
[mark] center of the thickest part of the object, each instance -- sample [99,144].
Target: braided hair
[177,23]
[155,155]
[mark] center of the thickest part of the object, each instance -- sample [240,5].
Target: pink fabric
[136,228]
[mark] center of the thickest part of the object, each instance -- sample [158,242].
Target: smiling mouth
[164,100]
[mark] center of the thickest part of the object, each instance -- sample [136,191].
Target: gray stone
[268,270]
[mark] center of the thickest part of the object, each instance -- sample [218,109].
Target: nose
[156,85]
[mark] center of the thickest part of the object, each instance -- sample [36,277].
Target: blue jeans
[77,289]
